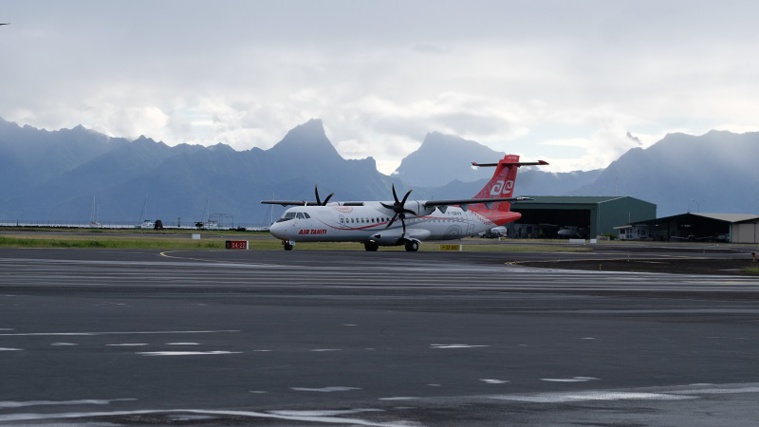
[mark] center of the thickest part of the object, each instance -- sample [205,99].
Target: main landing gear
[411,245]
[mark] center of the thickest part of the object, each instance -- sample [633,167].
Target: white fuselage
[369,222]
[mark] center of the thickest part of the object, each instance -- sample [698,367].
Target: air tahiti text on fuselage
[313,231]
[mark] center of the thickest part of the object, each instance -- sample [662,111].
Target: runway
[357,338]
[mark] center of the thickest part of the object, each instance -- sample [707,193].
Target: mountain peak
[307,139]
[449,152]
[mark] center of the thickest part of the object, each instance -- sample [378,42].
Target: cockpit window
[286,217]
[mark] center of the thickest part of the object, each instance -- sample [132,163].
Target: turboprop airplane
[402,221]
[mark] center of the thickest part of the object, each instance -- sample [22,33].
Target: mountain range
[74,175]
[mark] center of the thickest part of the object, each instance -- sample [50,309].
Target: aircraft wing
[288,202]
[465,202]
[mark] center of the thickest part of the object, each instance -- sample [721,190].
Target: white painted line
[447,346]
[186,353]
[589,396]
[21,404]
[54,334]
[325,389]
[63,344]
[399,398]
[569,380]
[250,414]
[325,349]
[128,344]
[493,381]
[719,390]
[182,343]
[324,413]
[9,349]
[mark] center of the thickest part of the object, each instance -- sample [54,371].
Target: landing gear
[371,246]
[287,245]
[411,245]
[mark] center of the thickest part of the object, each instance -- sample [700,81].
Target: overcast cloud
[563,81]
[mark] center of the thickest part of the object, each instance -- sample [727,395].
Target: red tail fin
[501,185]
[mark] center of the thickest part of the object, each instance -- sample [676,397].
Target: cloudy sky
[576,83]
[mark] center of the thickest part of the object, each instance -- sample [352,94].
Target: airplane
[402,221]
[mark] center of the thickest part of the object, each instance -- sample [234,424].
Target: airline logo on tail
[501,185]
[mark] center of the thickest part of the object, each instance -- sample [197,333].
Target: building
[577,216]
[695,227]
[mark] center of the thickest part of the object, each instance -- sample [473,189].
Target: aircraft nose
[278,230]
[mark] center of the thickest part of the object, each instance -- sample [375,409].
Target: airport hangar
[577,216]
[698,227]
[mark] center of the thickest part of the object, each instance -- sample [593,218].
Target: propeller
[318,200]
[400,210]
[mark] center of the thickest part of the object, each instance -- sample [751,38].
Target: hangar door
[546,223]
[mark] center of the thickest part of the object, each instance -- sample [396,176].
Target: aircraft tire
[288,247]
[412,246]
[371,246]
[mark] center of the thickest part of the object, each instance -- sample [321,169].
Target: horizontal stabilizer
[538,163]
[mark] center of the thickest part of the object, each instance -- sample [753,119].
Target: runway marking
[10,349]
[44,334]
[128,344]
[182,343]
[569,380]
[323,413]
[586,396]
[719,390]
[187,353]
[227,262]
[64,344]
[249,414]
[449,346]
[325,349]
[493,381]
[14,404]
[325,389]
[399,398]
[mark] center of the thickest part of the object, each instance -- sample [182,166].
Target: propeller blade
[391,221]
[319,200]
[316,192]
[405,197]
